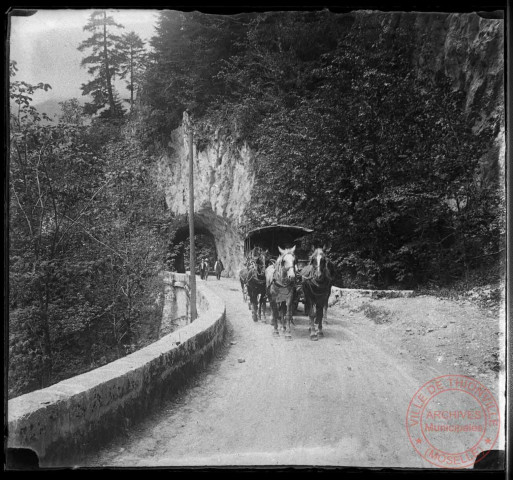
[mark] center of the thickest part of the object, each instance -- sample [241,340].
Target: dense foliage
[382,164]
[84,245]
[187,55]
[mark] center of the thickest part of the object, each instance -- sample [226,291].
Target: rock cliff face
[222,189]
[468,48]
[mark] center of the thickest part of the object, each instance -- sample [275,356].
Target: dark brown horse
[255,283]
[281,282]
[317,280]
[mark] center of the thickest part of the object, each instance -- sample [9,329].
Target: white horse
[280,283]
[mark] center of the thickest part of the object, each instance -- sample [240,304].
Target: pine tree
[188,52]
[132,62]
[103,62]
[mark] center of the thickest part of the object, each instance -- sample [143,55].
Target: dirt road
[266,401]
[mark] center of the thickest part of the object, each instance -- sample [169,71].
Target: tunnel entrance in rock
[179,248]
[216,238]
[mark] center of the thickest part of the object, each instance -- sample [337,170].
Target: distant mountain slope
[51,108]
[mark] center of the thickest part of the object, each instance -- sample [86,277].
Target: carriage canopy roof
[273,236]
[280,228]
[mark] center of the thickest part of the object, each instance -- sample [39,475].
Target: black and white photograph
[256,238]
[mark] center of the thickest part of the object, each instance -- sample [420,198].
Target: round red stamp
[452,419]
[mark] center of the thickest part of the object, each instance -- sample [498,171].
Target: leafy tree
[20,98]
[46,195]
[135,207]
[72,112]
[132,63]
[85,246]
[103,63]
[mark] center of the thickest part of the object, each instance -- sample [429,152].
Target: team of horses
[264,279]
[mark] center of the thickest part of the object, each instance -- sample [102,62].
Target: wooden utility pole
[192,260]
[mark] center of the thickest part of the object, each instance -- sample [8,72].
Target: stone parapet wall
[347,295]
[61,422]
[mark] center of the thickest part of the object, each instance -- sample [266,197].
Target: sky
[44,46]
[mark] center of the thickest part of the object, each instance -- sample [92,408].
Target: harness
[256,276]
[256,272]
[280,276]
[318,288]
[281,286]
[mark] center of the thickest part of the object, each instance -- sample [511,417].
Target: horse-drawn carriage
[273,236]
[278,266]
[270,238]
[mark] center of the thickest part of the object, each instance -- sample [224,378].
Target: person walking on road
[218,268]
[206,269]
[202,269]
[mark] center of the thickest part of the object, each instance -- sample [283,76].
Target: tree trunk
[131,78]
[107,67]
